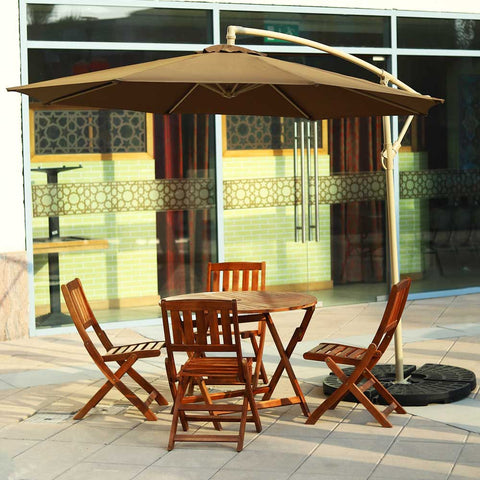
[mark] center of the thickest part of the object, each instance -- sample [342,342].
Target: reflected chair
[124,355]
[206,332]
[235,276]
[363,359]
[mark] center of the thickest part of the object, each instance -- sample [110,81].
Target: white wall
[12,231]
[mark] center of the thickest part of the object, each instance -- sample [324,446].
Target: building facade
[136,204]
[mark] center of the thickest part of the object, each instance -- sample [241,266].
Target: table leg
[285,364]
[259,355]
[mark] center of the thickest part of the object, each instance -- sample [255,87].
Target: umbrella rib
[290,101]
[86,90]
[172,110]
[387,102]
[234,92]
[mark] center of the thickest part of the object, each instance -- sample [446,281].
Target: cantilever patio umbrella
[228,79]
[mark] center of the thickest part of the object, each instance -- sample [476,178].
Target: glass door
[271,212]
[133,215]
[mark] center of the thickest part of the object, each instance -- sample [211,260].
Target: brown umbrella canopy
[229,79]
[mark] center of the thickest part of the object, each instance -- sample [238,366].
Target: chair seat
[141,350]
[348,354]
[222,367]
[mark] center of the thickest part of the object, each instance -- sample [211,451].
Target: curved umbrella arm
[388,154]
[385,76]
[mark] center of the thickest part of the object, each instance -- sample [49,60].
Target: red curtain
[358,228]
[185,238]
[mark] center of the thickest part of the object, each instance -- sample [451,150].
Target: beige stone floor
[44,380]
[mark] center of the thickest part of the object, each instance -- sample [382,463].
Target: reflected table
[265,303]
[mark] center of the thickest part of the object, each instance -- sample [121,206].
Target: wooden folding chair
[363,359]
[207,332]
[124,355]
[235,276]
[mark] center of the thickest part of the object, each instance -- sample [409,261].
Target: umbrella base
[431,383]
[53,319]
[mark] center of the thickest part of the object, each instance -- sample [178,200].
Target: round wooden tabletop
[257,301]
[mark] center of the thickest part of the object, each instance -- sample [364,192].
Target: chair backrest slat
[392,315]
[235,276]
[192,326]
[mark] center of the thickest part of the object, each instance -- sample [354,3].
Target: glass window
[341,30]
[439,181]
[118,24]
[123,200]
[438,33]
[44,64]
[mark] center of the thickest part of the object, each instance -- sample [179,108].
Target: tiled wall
[128,267]
[413,219]
[268,234]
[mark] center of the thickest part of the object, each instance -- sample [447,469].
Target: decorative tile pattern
[439,183]
[192,194]
[270,192]
[104,197]
[248,132]
[60,132]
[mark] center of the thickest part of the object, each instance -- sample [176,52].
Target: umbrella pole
[389,153]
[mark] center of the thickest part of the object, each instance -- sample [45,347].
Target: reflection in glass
[143,218]
[338,30]
[118,24]
[440,178]
[45,64]
[441,33]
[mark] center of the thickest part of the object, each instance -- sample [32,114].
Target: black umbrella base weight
[431,383]
[53,319]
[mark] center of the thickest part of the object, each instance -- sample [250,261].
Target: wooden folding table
[265,303]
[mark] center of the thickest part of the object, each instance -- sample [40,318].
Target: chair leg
[113,380]
[176,409]
[129,394]
[171,376]
[106,387]
[206,397]
[332,401]
[363,399]
[136,401]
[251,399]
[260,371]
[243,424]
[147,386]
[387,396]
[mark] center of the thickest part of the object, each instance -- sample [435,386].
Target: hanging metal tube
[302,176]
[315,173]
[307,147]
[295,175]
